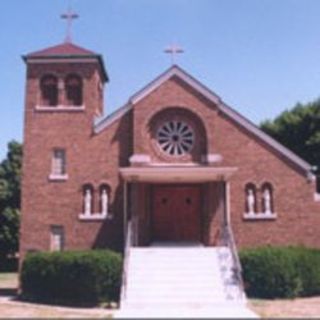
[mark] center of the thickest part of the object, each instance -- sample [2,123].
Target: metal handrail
[229,241]
[128,245]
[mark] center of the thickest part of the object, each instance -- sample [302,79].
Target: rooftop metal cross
[173,50]
[69,16]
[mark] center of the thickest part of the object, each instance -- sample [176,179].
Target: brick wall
[96,158]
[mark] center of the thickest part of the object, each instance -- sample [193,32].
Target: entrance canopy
[176,174]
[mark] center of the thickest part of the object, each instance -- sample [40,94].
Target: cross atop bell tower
[69,16]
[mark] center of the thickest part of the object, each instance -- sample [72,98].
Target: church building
[175,164]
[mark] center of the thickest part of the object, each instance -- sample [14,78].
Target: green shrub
[72,277]
[270,273]
[281,272]
[308,266]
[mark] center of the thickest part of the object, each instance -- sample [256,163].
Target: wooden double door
[176,213]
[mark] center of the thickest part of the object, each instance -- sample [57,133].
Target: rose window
[175,138]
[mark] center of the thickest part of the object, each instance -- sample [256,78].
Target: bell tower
[64,95]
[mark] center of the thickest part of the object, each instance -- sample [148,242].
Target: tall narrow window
[49,90]
[56,238]
[73,90]
[58,162]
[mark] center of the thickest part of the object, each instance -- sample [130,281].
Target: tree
[299,130]
[10,178]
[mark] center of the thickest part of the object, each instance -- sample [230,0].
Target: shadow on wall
[110,234]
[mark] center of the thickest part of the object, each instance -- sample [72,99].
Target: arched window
[49,90]
[250,199]
[73,87]
[267,198]
[88,199]
[175,137]
[104,192]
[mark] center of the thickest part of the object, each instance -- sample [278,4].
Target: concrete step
[175,285]
[174,289]
[176,303]
[153,299]
[177,282]
[154,275]
[165,260]
[218,311]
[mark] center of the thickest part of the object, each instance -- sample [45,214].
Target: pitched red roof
[64,49]
[67,50]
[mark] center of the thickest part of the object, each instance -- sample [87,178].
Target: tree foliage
[299,130]
[10,178]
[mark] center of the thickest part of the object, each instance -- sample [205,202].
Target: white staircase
[181,281]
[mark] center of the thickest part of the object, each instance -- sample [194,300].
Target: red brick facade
[95,152]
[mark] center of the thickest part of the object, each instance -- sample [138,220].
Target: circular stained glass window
[175,138]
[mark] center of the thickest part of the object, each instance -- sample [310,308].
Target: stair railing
[128,244]
[228,241]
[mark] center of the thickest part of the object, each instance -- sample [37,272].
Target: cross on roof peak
[69,16]
[173,50]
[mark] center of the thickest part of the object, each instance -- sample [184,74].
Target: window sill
[53,177]
[259,216]
[317,197]
[60,108]
[94,217]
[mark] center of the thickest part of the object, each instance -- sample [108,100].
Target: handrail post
[228,240]
[125,213]
[227,199]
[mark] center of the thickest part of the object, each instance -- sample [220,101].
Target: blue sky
[260,56]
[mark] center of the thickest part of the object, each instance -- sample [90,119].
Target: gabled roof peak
[63,49]
[175,70]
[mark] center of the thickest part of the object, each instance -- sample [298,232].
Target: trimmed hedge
[281,272]
[72,277]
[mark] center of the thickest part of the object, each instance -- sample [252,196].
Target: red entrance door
[176,213]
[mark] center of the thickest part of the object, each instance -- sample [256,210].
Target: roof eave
[98,57]
[211,96]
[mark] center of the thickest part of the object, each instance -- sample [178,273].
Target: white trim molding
[140,159]
[260,216]
[176,174]
[316,197]
[94,216]
[60,108]
[58,177]
[211,158]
